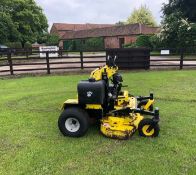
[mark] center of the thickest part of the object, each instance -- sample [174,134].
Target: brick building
[113,36]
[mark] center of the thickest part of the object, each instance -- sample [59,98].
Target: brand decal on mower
[89,94]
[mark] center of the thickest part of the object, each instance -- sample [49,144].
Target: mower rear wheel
[73,122]
[144,126]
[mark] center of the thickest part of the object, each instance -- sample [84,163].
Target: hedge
[84,44]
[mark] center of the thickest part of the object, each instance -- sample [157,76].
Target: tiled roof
[131,29]
[76,27]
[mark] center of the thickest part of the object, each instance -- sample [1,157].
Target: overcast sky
[95,11]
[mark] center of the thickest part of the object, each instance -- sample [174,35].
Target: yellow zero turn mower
[100,97]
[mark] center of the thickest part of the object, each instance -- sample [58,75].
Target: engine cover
[91,92]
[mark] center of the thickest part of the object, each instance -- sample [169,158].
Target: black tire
[143,103]
[144,124]
[77,117]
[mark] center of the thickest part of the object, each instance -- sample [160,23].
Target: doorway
[121,42]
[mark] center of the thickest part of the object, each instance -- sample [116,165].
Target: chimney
[140,28]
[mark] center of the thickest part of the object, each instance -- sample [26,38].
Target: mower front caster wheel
[144,131]
[73,122]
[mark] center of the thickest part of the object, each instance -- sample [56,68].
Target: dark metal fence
[131,58]
[12,62]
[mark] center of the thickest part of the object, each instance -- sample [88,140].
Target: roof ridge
[82,23]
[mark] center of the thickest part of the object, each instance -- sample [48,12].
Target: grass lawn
[30,142]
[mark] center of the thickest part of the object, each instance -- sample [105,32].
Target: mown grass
[30,142]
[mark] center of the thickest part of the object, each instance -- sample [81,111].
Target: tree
[143,16]
[16,45]
[120,23]
[52,40]
[186,7]
[156,41]
[8,29]
[27,17]
[177,30]
[27,45]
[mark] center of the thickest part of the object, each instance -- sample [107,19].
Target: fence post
[60,52]
[9,58]
[48,62]
[147,60]
[181,58]
[27,53]
[106,56]
[81,60]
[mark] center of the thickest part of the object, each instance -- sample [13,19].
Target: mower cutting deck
[120,114]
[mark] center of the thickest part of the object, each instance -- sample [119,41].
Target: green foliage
[141,41]
[25,17]
[186,7]
[156,42]
[177,31]
[94,44]
[143,16]
[27,45]
[84,44]
[120,23]
[42,38]
[52,40]
[8,29]
[128,45]
[16,45]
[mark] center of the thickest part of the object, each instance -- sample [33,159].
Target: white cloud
[95,11]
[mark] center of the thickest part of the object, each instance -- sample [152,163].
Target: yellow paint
[70,101]
[120,127]
[144,130]
[125,100]
[148,104]
[93,106]
[97,73]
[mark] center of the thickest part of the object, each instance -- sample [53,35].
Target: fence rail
[10,63]
[27,62]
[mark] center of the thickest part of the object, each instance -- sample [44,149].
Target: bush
[143,41]
[156,42]
[52,40]
[128,45]
[84,44]
[27,45]
[90,44]
[15,45]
